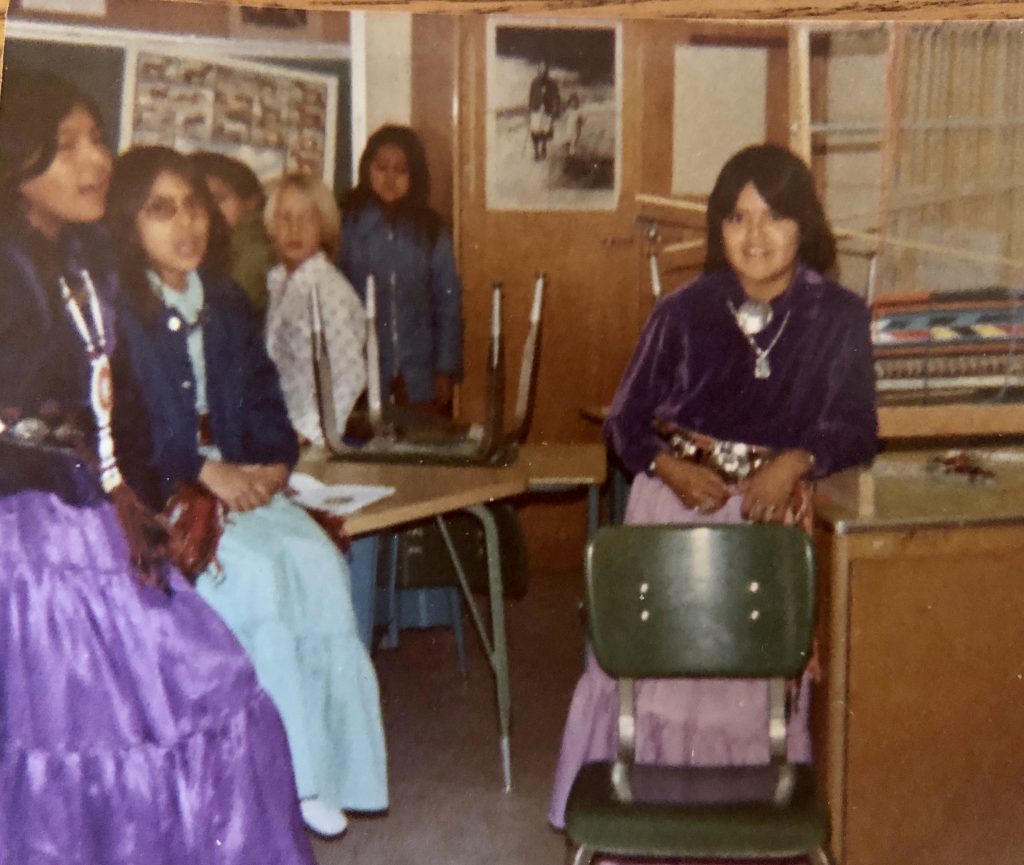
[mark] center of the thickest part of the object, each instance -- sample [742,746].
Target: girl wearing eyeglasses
[219,420]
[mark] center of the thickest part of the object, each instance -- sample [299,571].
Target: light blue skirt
[285,594]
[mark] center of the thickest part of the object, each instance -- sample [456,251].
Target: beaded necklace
[101,388]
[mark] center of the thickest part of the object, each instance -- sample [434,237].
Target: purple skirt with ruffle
[683,722]
[132,728]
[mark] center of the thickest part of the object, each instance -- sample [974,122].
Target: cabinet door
[935,767]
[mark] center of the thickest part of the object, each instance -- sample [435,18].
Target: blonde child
[304,225]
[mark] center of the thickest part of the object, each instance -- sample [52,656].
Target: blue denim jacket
[247,411]
[419,298]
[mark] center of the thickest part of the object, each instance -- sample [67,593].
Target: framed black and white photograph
[554,99]
[273,119]
[274,22]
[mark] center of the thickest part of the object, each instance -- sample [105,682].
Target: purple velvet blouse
[694,367]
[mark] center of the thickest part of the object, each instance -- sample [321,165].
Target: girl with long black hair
[132,727]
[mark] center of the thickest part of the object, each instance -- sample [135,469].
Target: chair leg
[819,857]
[363,578]
[582,855]
[455,605]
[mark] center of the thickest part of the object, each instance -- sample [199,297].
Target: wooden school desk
[919,716]
[423,491]
[555,468]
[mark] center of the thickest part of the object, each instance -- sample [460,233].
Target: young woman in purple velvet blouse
[762,350]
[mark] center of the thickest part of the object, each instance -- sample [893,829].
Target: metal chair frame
[607,545]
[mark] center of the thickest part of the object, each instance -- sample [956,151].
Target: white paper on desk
[336,498]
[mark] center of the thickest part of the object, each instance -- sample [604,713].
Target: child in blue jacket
[391,232]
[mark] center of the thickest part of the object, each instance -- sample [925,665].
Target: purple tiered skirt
[132,729]
[683,722]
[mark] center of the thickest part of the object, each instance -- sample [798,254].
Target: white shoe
[322,818]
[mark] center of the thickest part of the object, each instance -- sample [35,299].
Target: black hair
[416,204]
[34,104]
[235,173]
[784,181]
[134,174]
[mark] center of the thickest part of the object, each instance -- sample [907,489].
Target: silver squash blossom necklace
[751,318]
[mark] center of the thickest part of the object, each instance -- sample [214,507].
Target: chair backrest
[717,601]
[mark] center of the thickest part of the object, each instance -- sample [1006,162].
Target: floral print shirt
[290,340]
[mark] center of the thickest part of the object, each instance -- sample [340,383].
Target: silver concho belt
[733,461]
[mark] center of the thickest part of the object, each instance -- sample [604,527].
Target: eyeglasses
[163,208]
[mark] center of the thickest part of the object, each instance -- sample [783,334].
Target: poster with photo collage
[274,119]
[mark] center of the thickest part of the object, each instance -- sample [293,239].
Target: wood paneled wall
[591,310]
[599,292]
[434,61]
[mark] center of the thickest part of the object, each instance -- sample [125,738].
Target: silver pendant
[753,316]
[761,367]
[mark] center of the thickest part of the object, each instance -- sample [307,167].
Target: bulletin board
[98,56]
[273,119]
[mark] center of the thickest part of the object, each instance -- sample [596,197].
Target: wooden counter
[919,719]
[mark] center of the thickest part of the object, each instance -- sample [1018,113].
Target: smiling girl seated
[762,354]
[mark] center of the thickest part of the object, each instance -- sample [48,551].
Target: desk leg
[593,510]
[496,644]
[389,638]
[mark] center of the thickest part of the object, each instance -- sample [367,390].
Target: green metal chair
[699,601]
